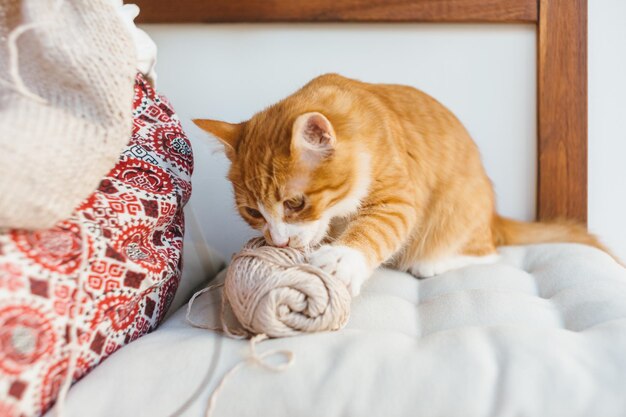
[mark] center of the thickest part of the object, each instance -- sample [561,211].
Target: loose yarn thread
[252,358]
[273,292]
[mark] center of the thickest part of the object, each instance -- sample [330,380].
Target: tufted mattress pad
[540,333]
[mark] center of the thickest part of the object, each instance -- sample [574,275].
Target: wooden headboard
[561,64]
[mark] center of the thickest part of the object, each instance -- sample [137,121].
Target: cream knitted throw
[67,70]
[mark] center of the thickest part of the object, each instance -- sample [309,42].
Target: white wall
[484,73]
[607,122]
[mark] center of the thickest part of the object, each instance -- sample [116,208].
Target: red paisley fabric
[110,271]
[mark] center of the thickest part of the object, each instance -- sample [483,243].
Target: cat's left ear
[227,133]
[313,137]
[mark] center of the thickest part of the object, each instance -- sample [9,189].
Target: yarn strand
[234,333]
[253,358]
[190,304]
[272,292]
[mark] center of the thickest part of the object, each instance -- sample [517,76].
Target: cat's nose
[282,244]
[278,236]
[278,241]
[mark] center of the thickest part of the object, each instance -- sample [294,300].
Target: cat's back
[392,114]
[407,102]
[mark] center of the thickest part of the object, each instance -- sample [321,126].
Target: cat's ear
[227,133]
[313,137]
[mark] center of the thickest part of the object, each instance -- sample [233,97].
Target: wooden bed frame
[561,65]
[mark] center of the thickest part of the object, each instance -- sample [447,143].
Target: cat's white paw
[347,264]
[423,269]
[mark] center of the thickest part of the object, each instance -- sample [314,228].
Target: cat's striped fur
[382,173]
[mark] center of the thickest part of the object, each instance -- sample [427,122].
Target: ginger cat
[384,174]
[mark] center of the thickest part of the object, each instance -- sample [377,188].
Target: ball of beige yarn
[274,291]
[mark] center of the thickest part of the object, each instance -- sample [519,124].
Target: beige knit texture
[274,291]
[65,105]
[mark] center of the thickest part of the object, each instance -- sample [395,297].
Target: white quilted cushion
[541,333]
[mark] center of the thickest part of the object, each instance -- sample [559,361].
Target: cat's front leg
[347,264]
[378,232]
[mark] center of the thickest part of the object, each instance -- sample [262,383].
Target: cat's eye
[254,213]
[295,204]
